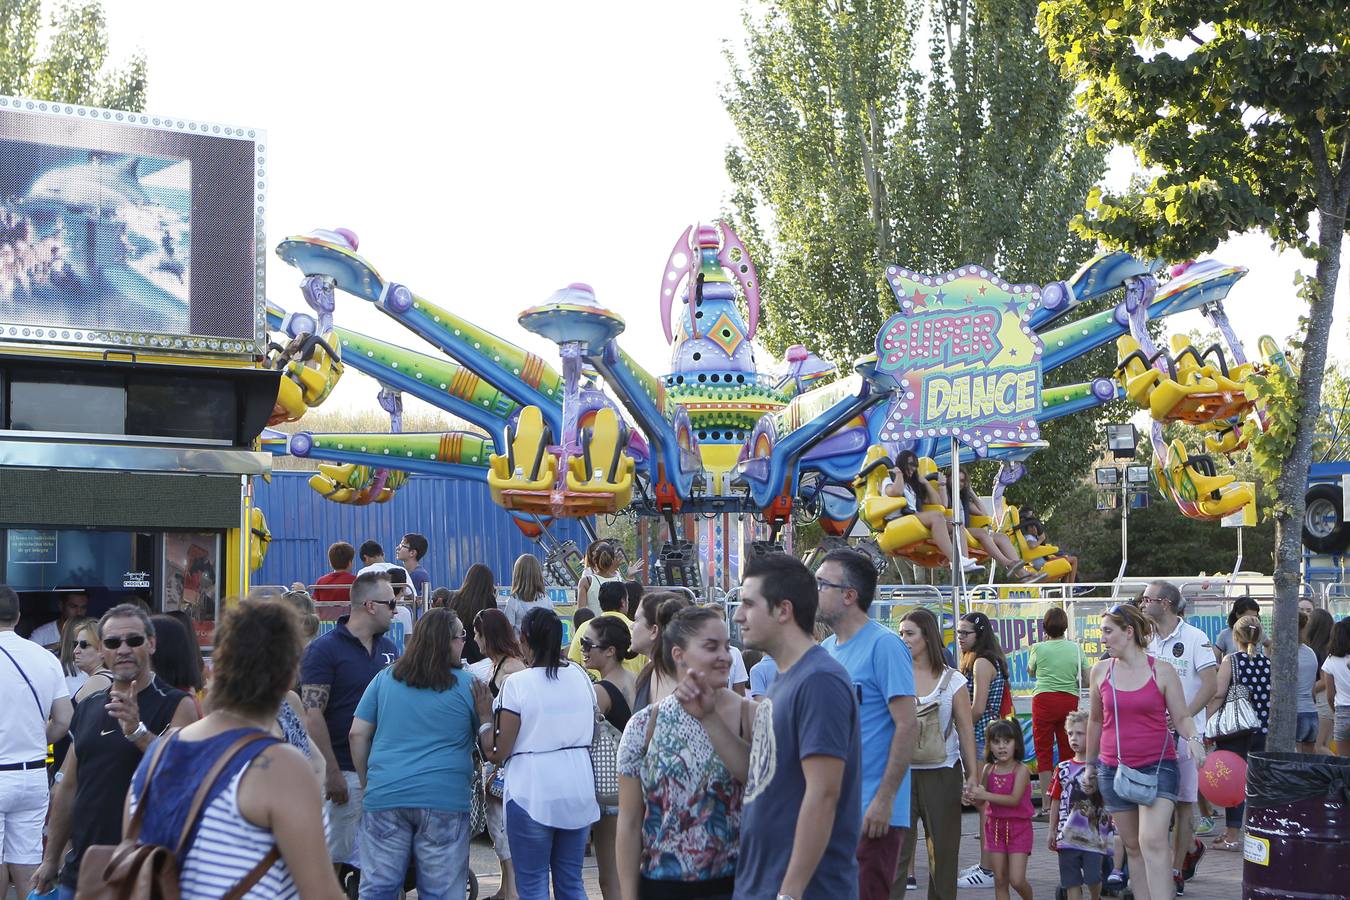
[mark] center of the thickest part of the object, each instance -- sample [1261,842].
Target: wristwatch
[785,897]
[140,732]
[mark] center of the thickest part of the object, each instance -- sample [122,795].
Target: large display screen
[129,230]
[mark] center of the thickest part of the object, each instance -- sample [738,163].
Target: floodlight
[1107,475]
[1122,439]
[1136,475]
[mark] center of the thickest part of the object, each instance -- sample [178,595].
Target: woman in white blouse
[936,788]
[544,722]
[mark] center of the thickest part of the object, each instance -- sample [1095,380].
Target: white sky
[488,154]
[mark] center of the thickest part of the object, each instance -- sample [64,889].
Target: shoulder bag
[604,756]
[1132,785]
[930,748]
[135,871]
[1237,717]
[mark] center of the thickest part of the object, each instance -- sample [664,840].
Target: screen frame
[146,341]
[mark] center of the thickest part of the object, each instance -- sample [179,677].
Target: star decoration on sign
[919,299]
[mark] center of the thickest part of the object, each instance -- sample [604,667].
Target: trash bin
[1297,838]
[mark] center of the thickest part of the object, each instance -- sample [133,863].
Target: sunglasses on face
[131,640]
[392,604]
[85,645]
[587,645]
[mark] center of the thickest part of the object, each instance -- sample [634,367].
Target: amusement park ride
[956,377]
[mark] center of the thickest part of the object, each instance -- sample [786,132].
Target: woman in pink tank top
[1131,700]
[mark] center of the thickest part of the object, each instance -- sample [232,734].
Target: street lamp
[1122,440]
[1131,490]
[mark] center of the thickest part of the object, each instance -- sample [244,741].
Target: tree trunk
[1293,482]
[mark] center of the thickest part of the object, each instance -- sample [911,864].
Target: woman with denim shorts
[1131,700]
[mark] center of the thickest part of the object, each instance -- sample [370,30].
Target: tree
[1239,112]
[72,67]
[855,155]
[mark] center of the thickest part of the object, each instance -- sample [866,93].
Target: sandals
[1230,846]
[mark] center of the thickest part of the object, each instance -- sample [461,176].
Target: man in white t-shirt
[1189,651]
[738,679]
[37,712]
[74,605]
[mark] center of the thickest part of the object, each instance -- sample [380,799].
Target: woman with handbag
[1244,678]
[496,635]
[944,763]
[679,805]
[544,725]
[604,646]
[1131,757]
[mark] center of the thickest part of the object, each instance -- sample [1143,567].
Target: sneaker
[1180,883]
[911,882]
[1192,860]
[979,878]
[1205,825]
[1114,884]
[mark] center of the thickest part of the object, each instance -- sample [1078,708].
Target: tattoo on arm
[315,696]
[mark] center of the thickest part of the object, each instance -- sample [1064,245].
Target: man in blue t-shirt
[883,682]
[799,828]
[336,669]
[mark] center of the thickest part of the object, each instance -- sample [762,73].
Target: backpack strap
[942,689]
[134,826]
[199,798]
[651,728]
[254,875]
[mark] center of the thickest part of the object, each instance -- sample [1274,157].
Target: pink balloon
[1223,778]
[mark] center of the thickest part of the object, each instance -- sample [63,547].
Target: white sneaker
[967,870]
[969,565]
[979,878]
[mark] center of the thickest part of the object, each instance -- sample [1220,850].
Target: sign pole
[958,517]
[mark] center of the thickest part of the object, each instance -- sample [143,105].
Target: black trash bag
[1278,779]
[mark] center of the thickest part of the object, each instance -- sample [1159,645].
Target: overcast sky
[488,154]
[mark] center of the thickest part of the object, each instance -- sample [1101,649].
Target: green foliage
[70,65]
[856,154]
[1226,102]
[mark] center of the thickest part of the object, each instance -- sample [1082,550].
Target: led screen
[128,230]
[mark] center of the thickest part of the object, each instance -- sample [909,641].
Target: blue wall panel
[461,523]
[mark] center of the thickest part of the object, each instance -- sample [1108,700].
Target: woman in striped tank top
[260,833]
[1131,700]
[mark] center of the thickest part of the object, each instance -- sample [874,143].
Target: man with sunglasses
[334,675]
[110,732]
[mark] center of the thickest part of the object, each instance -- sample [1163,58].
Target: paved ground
[1219,876]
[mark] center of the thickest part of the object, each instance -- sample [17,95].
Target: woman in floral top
[675,794]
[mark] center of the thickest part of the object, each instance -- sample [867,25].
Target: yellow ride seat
[1198,491]
[603,467]
[334,481]
[318,372]
[1134,374]
[527,465]
[259,540]
[1044,557]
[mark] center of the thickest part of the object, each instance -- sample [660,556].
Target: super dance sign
[962,358]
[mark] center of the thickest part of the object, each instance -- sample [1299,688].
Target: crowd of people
[339,764]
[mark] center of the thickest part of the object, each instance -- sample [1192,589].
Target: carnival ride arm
[1170,684]
[877,816]
[1221,684]
[628,840]
[824,776]
[315,699]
